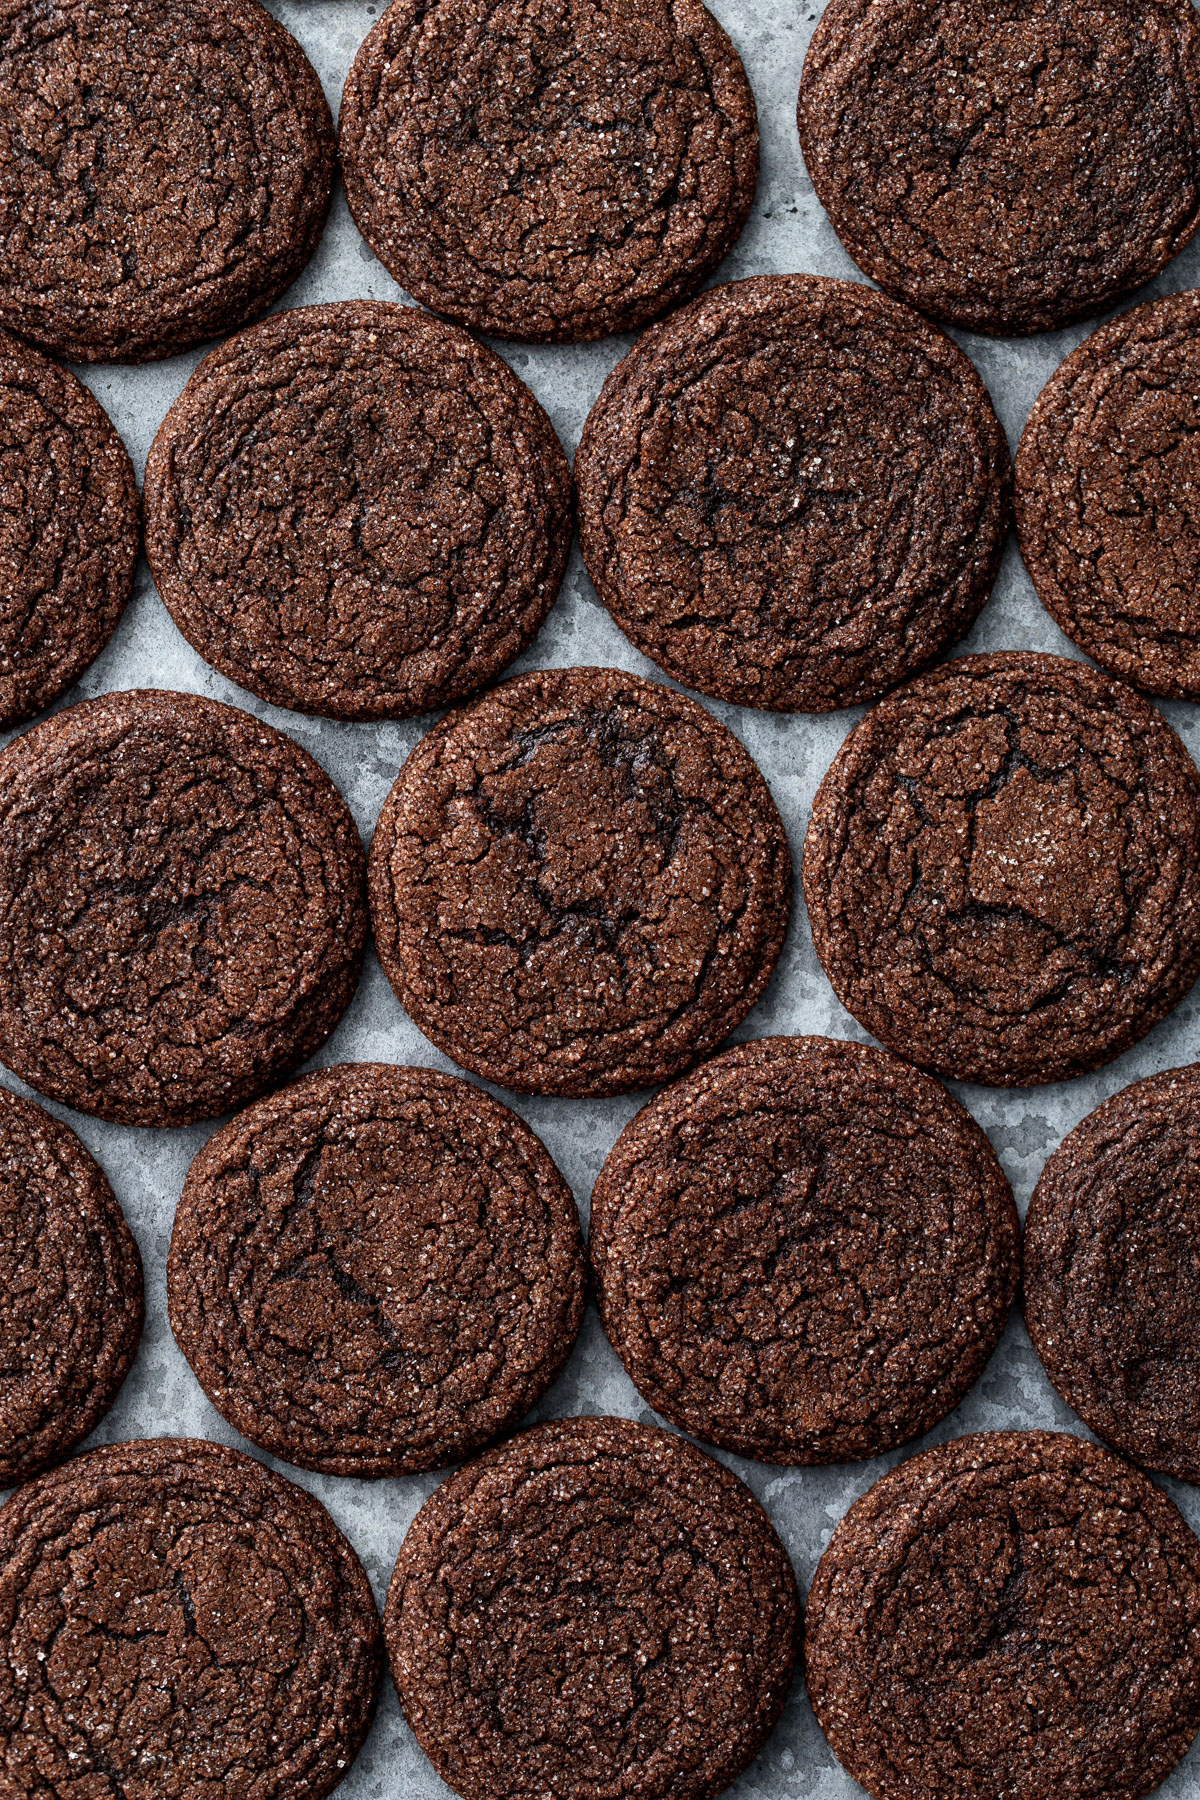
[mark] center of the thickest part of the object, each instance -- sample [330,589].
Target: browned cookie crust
[1006,165]
[551,170]
[165,171]
[1112,1271]
[597,1609]
[1003,869]
[1108,496]
[70,1291]
[805,1251]
[357,511]
[793,493]
[181,908]
[580,884]
[177,1621]
[68,530]
[375,1271]
[1016,1613]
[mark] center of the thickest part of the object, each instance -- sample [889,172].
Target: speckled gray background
[788,231]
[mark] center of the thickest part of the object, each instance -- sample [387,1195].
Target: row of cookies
[598,1606]
[549,171]
[793,495]
[580,885]
[597,1598]
[803,1252]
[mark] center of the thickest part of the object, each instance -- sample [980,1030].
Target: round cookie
[1006,165]
[580,884]
[1002,869]
[70,1291]
[165,167]
[181,907]
[357,510]
[68,530]
[177,1620]
[805,1251]
[793,493]
[595,1608]
[375,1271]
[1015,1613]
[549,170]
[1107,476]
[1112,1271]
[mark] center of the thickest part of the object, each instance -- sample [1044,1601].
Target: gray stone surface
[788,232]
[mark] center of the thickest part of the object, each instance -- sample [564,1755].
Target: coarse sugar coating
[597,1608]
[1002,869]
[549,170]
[804,1251]
[376,1270]
[1015,1613]
[579,884]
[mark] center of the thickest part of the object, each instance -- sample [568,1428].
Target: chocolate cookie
[181,912]
[1003,869]
[165,171]
[580,884]
[375,1271]
[68,530]
[1007,165]
[793,493]
[551,170]
[1016,1613]
[70,1291]
[805,1251]
[1108,474]
[357,511]
[598,1608]
[176,1620]
[1112,1271]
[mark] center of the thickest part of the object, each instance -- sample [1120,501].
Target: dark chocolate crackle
[375,1271]
[165,171]
[1016,1613]
[551,170]
[794,493]
[1002,869]
[357,510]
[1108,496]
[181,907]
[177,1621]
[805,1251]
[70,1291]
[598,1608]
[580,884]
[1112,1271]
[1006,165]
[68,529]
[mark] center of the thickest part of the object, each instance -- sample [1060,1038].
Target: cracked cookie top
[595,1608]
[68,530]
[375,1271]
[181,908]
[165,171]
[1002,869]
[580,884]
[1014,1613]
[805,1251]
[1006,165]
[550,170]
[177,1620]
[1112,1271]
[1108,496]
[70,1291]
[357,510]
[793,493]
